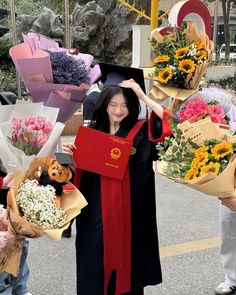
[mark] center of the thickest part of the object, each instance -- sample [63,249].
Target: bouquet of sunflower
[180,60]
[202,156]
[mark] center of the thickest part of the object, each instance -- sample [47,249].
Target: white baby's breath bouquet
[36,204]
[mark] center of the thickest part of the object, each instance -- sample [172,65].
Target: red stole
[116,220]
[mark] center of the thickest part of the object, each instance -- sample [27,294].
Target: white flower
[36,205]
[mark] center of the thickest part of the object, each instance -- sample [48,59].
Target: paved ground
[188,230]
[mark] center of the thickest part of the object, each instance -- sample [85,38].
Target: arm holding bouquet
[9,242]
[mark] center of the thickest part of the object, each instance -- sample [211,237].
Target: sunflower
[200,160]
[187,66]
[221,150]
[191,174]
[199,45]
[161,58]
[165,75]
[211,167]
[181,52]
[201,54]
[202,149]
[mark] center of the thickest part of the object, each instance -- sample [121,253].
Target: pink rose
[190,105]
[200,111]
[16,123]
[182,117]
[217,110]
[188,112]
[198,101]
[215,119]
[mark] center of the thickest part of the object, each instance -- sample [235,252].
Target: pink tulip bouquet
[27,130]
[31,134]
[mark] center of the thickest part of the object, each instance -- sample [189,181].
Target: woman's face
[117,108]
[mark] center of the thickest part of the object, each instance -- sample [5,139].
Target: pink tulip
[14,136]
[41,140]
[47,127]
[33,141]
[30,120]
[30,128]
[16,123]
[39,122]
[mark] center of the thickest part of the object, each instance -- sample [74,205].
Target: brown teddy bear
[57,175]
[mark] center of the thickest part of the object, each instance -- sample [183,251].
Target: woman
[228,246]
[8,243]
[98,243]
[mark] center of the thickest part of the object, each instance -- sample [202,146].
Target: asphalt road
[188,230]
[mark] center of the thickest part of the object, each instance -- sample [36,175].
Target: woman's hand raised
[155,107]
[135,87]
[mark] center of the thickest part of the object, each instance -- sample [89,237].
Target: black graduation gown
[145,261]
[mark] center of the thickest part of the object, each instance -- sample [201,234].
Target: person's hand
[229,202]
[135,87]
[68,148]
[6,180]
[11,243]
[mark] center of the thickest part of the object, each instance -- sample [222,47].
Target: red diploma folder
[101,153]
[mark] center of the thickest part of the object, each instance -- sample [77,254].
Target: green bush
[5,45]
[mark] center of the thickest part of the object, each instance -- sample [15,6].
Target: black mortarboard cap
[115,74]
[64,159]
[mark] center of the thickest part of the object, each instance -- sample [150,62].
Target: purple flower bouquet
[53,76]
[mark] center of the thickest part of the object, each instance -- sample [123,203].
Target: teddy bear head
[58,172]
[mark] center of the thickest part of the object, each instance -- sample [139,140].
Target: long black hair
[100,118]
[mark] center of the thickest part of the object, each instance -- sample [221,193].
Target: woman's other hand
[68,148]
[229,202]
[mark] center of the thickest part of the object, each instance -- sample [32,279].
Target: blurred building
[166,5]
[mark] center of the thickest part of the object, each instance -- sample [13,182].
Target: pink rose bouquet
[31,134]
[197,109]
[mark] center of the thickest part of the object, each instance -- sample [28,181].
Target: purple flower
[68,70]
